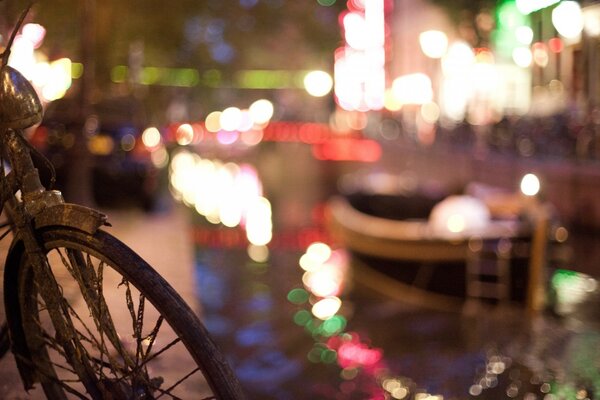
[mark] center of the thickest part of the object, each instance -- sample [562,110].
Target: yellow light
[160,157]
[430,112]
[318,83]
[151,137]
[390,102]
[101,145]
[258,254]
[456,223]
[213,121]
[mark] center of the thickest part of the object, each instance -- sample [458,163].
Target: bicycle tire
[108,261]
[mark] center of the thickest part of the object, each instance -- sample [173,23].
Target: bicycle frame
[30,206]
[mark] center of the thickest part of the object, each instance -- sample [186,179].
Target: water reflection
[296,324]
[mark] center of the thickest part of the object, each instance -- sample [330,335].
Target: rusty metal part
[71,215]
[20,106]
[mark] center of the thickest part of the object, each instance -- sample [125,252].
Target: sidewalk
[161,239]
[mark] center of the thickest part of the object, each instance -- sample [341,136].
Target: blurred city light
[326,308]
[261,111]
[259,228]
[151,137]
[230,119]
[433,43]
[529,6]
[522,56]
[591,24]
[567,18]
[318,83]
[459,215]
[225,193]
[359,66]
[412,89]
[530,185]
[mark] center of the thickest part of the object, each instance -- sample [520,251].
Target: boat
[409,236]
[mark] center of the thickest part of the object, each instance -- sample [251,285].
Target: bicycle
[64,274]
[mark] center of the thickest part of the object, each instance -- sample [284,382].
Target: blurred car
[120,166]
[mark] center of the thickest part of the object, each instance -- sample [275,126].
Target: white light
[458,59]
[433,43]
[459,215]
[522,56]
[231,119]
[261,111]
[151,137]
[412,89]
[354,30]
[327,307]
[35,33]
[529,6]
[258,222]
[318,83]
[524,35]
[568,19]
[530,185]
[591,24]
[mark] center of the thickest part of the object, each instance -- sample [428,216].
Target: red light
[555,45]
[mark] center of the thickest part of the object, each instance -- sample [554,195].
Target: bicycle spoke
[115,336]
[168,390]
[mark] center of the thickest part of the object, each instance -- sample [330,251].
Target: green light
[119,74]
[326,3]
[563,278]
[314,355]
[298,296]
[302,318]
[333,325]
[328,356]
[264,79]
[212,78]
[76,70]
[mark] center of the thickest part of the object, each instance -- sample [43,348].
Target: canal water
[378,342]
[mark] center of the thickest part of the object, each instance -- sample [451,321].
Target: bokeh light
[433,43]
[567,18]
[530,185]
[261,111]
[318,83]
[151,137]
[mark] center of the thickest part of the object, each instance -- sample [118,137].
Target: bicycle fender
[73,216]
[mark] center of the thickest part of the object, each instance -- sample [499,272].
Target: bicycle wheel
[129,334]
